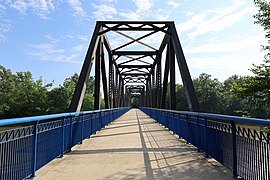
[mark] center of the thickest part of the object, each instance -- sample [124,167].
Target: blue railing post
[34,149]
[91,125]
[71,134]
[198,133]
[187,135]
[205,138]
[234,149]
[82,121]
[63,138]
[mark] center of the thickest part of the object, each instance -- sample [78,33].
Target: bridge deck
[134,147]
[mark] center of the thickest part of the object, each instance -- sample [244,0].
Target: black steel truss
[134,73]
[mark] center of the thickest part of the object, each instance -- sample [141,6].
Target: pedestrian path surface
[134,147]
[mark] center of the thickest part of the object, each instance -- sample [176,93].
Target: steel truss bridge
[128,66]
[136,59]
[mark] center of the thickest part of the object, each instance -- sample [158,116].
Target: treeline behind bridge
[21,95]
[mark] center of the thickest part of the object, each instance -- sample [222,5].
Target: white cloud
[219,22]
[213,20]
[192,23]
[5,24]
[76,5]
[130,15]
[224,66]
[143,5]
[50,51]
[83,38]
[104,11]
[238,45]
[79,48]
[41,7]
[173,4]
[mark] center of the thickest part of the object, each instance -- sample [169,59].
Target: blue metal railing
[228,139]
[27,144]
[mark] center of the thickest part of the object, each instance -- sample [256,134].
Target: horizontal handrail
[255,121]
[30,119]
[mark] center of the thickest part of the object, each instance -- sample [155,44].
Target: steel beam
[79,92]
[135,53]
[172,77]
[111,81]
[186,78]
[135,22]
[97,77]
[135,74]
[158,81]
[165,79]
[104,79]
[135,66]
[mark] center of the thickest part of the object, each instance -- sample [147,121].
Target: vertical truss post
[78,95]
[104,77]
[165,77]
[111,81]
[158,81]
[97,77]
[186,78]
[115,89]
[172,77]
[146,93]
[119,90]
[122,92]
[150,92]
[153,89]
[143,96]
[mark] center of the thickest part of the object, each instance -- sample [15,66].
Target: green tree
[255,90]
[21,95]
[209,93]
[181,100]
[231,104]
[263,19]
[6,85]
[59,98]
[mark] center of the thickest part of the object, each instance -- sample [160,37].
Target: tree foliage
[255,90]
[21,95]
[263,19]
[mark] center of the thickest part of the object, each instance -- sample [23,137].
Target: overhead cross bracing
[134,50]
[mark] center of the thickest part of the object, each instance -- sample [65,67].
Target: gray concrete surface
[134,147]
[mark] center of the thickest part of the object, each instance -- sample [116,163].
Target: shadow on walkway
[134,147]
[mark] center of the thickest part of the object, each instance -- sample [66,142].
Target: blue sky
[50,37]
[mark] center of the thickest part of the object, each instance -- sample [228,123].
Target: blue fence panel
[87,127]
[76,130]
[16,152]
[49,140]
[253,153]
[228,139]
[25,149]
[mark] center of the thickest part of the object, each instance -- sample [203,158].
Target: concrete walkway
[134,147]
